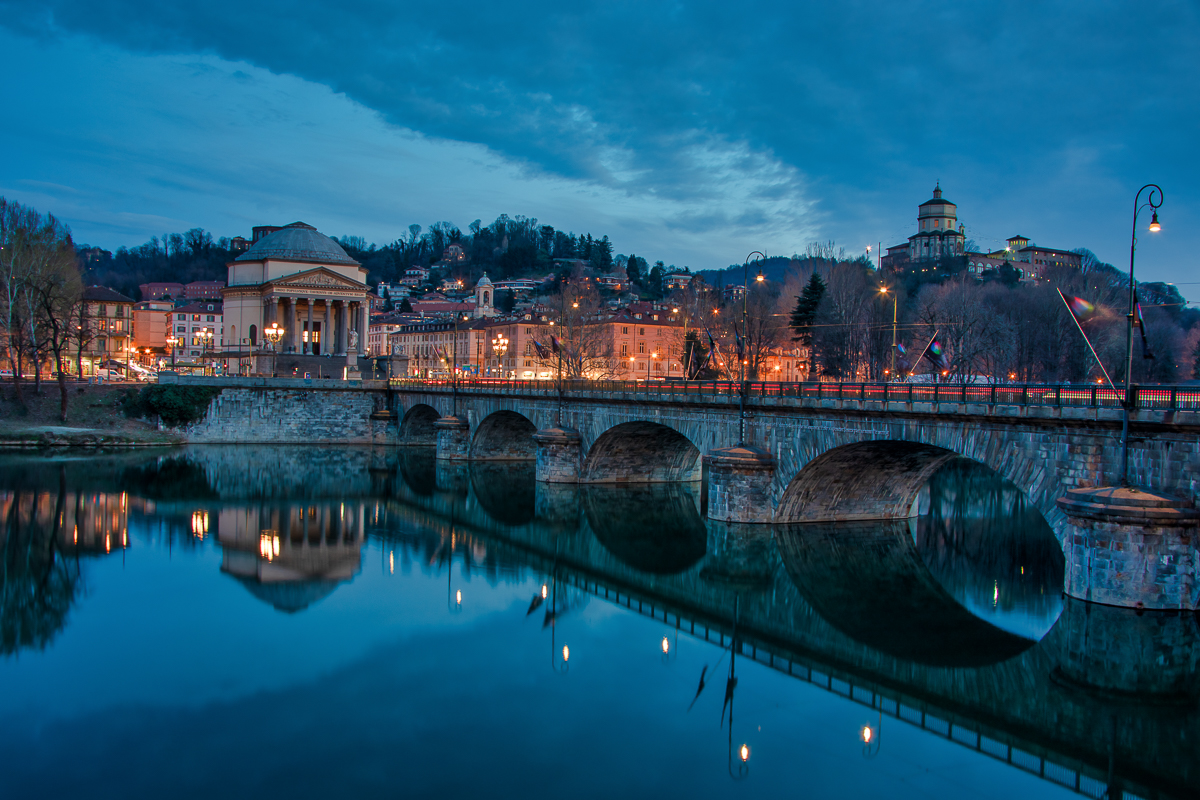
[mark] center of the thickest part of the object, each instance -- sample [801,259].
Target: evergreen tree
[405,306]
[805,315]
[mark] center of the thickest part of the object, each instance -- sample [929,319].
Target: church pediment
[316,279]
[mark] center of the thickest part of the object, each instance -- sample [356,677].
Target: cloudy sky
[692,133]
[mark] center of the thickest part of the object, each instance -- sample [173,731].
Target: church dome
[298,242]
[484,281]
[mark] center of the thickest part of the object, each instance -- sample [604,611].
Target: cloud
[848,101]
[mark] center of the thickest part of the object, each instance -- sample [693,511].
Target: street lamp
[172,341]
[274,334]
[652,357]
[499,348]
[1128,402]
[895,298]
[743,350]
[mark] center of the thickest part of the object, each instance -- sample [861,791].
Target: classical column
[289,334]
[363,323]
[307,348]
[343,327]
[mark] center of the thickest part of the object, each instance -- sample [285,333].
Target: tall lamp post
[746,341]
[1155,190]
[895,298]
[172,341]
[454,367]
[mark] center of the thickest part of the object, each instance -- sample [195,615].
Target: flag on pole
[935,354]
[1140,324]
[542,351]
[1081,308]
[555,345]
[741,346]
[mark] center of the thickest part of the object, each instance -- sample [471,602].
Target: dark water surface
[354,622]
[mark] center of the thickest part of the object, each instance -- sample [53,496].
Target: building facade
[305,283]
[106,322]
[197,332]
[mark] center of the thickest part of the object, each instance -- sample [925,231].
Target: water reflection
[292,555]
[990,548]
[654,528]
[954,617]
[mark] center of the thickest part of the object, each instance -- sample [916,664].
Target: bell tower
[485,298]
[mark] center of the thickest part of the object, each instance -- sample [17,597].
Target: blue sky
[692,133]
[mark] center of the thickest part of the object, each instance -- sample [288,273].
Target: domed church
[306,283]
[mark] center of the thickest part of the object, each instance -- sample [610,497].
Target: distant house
[157,291]
[203,290]
[677,280]
[415,276]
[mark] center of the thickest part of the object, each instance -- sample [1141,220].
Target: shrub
[174,405]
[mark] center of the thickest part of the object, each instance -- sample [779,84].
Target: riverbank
[94,419]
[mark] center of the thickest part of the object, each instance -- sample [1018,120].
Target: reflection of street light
[871,736]
[1128,402]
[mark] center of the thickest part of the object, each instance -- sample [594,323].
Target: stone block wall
[293,415]
[1124,564]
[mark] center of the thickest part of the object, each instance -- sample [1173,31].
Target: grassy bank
[94,418]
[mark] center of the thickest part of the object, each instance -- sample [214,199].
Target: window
[624,349]
[120,311]
[181,329]
[101,310]
[529,331]
[625,329]
[210,317]
[195,317]
[641,347]
[181,316]
[641,331]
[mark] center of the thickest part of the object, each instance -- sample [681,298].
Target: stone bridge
[804,459]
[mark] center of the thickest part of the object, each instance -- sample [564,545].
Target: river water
[314,622]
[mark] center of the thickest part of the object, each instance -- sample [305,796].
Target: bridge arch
[504,436]
[641,452]
[877,479]
[417,426]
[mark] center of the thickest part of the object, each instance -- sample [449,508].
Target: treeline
[509,247]
[996,327]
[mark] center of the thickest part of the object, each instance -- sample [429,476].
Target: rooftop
[298,242]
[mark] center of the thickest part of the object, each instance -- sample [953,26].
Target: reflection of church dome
[289,597]
[298,242]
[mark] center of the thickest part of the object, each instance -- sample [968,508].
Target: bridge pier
[559,455]
[453,438]
[1131,547]
[739,484]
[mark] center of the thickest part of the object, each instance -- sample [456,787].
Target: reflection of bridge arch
[506,492]
[866,480]
[417,425]
[641,452]
[867,580]
[504,436]
[655,529]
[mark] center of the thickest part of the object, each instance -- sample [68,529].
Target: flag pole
[1075,319]
[917,363]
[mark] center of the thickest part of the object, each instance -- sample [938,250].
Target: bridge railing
[1153,397]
